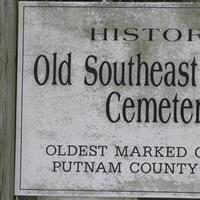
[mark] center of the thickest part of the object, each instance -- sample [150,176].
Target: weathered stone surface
[56,115]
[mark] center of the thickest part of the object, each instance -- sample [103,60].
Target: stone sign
[108,99]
